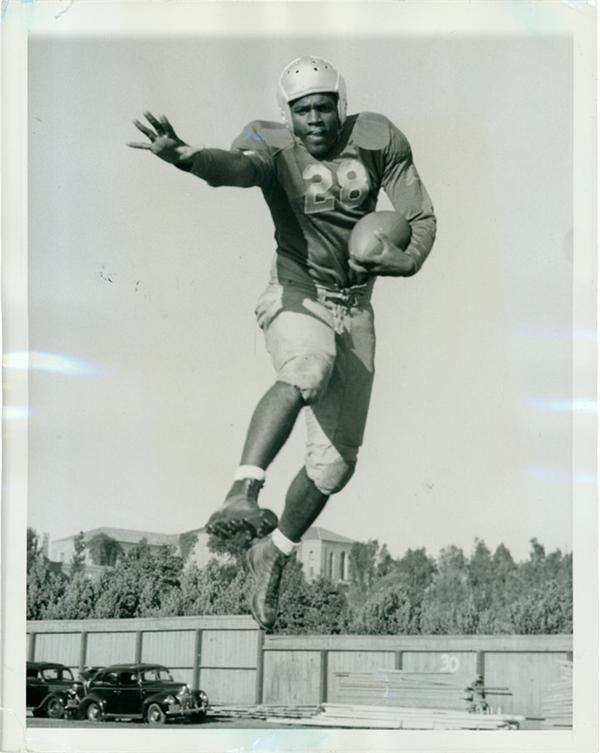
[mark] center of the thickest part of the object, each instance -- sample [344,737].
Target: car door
[36,687]
[130,695]
[105,688]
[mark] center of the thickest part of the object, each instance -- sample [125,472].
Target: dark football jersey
[315,203]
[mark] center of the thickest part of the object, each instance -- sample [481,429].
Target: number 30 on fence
[450,663]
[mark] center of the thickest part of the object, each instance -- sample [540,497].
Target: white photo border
[67,18]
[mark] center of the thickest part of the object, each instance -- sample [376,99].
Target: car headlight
[202,696]
[170,699]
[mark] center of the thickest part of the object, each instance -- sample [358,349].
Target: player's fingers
[138,145]
[168,128]
[144,129]
[158,127]
[356,266]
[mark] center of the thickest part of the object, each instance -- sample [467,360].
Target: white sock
[249,471]
[282,542]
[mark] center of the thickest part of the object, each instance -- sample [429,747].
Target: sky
[145,358]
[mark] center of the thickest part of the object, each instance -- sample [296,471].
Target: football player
[320,171]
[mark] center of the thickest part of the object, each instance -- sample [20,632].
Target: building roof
[322,534]
[129,536]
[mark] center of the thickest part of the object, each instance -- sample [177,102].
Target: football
[364,244]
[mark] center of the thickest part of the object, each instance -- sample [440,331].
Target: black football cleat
[240,513]
[266,564]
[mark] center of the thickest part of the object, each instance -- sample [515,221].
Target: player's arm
[406,191]
[218,167]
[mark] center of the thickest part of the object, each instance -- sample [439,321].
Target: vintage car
[52,690]
[141,691]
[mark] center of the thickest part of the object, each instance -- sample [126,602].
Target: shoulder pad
[372,131]
[270,134]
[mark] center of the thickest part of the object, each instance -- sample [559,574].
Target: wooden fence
[237,664]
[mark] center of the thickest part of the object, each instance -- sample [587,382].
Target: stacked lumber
[396,717]
[399,688]
[262,711]
[557,702]
[391,699]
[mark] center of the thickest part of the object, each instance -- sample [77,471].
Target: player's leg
[302,346]
[268,556]
[272,421]
[270,426]
[335,428]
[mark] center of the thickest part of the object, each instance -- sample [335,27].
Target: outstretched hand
[162,140]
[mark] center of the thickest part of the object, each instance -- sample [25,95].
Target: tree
[327,609]
[77,601]
[33,548]
[294,599]
[45,588]
[142,583]
[386,611]
[448,605]
[385,562]
[104,550]
[217,588]
[187,542]
[544,609]
[419,570]
[362,570]
[412,574]
[77,564]
[481,576]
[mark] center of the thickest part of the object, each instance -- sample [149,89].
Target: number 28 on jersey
[349,178]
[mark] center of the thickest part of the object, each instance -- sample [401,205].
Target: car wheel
[55,708]
[155,715]
[93,712]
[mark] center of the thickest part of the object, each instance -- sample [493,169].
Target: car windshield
[157,674]
[57,673]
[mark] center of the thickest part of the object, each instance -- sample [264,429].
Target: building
[62,550]
[321,552]
[324,553]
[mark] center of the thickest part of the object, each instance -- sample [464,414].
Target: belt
[341,300]
[355,295]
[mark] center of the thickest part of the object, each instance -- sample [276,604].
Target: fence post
[83,649]
[31,648]
[480,664]
[260,666]
[323,676]
[197,659]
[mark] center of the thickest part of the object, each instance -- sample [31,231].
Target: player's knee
[309,373]
[331,476]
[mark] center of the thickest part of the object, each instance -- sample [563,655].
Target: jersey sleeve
[408,195]
[249,162]
[254,143]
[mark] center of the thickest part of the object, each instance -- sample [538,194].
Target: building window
[331,564]
[343,565]
[310,555]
